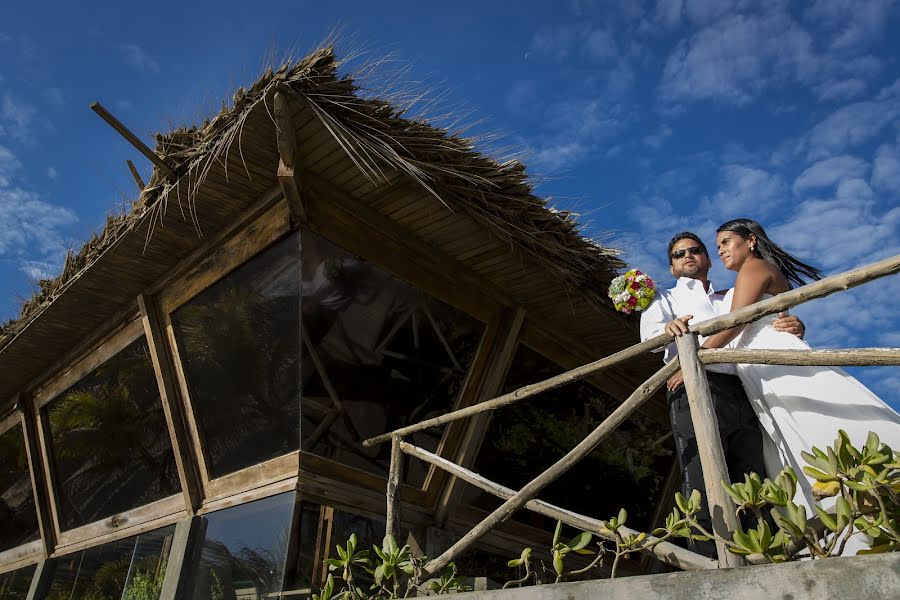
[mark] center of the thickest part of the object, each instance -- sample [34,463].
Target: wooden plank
[490,385]
[21,556]
[173,407]
[113,122]
[531,489]
[181,562]
[392,514]
[243,497]
[255,237]
[128,333]
[41,580]
[128,520]
[120,534]
[668,552]
[709,445]
[255,476]
[857,357]
[48,517]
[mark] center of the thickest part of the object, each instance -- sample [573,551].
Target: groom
[693,297]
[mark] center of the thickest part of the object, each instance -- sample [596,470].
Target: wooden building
[184,404]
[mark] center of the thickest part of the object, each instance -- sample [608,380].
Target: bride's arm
[752,281]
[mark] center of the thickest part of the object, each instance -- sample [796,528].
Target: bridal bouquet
[633,291]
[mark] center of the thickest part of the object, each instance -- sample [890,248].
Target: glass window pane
[244,550]
[380,354]
[526,438]
[17,511]
[14,585]
[129,569]
[239,345]
[109,444]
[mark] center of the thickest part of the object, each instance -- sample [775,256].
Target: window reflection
[244,550]
[239,344]
[626,470]
[378,354]
[129,569]
[17,510]
[109,444]
[14,585]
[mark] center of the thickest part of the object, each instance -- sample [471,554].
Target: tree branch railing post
[709,446]
[395,476]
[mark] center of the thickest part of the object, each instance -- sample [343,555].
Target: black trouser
[741,440]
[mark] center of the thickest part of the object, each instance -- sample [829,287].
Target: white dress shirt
[688,297]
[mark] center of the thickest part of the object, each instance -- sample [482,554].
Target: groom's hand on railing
[679,326]
[790,324]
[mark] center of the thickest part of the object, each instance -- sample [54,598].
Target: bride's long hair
[794,269]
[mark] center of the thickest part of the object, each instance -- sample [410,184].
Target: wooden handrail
[532,488]
[667,552]
[856,357]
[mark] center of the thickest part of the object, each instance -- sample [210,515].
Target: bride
[798,407]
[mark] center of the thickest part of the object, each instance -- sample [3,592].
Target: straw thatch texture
[231,158]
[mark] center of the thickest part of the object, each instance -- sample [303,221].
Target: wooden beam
[665,551]
[41,580]
[531,489]
[173,405]
[290,169]
[529,390]
[392,514]
[37,459]
[185,549]
[709,444]
[134,140]
[136,175]
[857,357]
[491,384]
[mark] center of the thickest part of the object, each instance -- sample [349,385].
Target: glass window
[14,585]
[17,511]
[626,470]
[244,550]
[109,445]
[379,354]
[239,344]
[129,569]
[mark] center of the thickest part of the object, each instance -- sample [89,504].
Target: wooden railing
[691,360]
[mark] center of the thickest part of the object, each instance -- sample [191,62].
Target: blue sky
[647,118]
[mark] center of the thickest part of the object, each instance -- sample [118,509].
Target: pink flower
[632,301]
[635,285]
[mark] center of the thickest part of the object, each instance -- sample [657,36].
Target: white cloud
[9,165]
[29,226]
[137,57]
[850,126]
[54,96]
[668,13]
[840,89]
[744,192]
[733,60]
[52,173]
[657,139]
[886,169]
[850,23]
[17,117]
[830,171]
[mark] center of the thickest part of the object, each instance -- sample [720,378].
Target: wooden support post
[183,557]
[531,489]
[40,582]
[36,465]
[856,357]
[290,171]
[173,408]
[491,384]
[392,519]
[709,444]
[113,122]
[136,175]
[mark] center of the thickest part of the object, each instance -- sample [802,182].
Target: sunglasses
[693,250]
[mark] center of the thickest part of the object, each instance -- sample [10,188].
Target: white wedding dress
[802,407]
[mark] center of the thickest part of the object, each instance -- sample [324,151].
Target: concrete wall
[869,577]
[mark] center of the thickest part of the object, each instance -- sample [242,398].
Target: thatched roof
[230,159]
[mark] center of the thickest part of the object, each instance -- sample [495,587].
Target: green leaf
[556,533]
[557,563]
[389,544]
[681,503]
[516,562]
[351,543]
[842,510]
[827,520]
[872,443]
[580,541]
[622,516]
[379,574]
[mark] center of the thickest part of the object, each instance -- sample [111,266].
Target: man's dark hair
[685,235]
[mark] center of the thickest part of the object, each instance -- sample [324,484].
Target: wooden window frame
[31,552]
[127,523]
[374,238]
